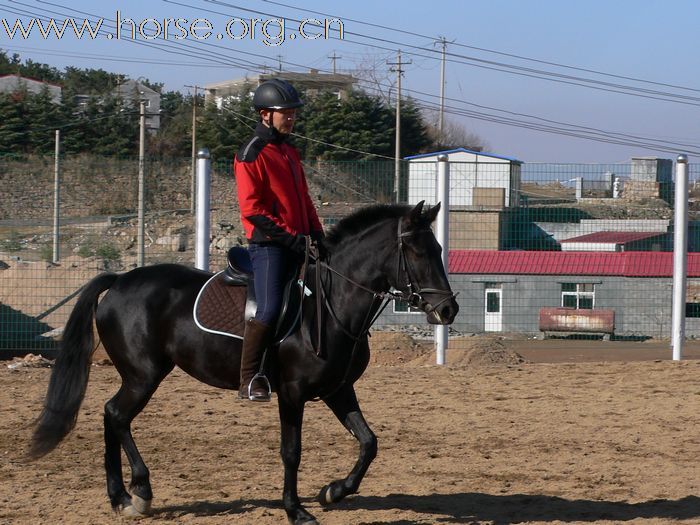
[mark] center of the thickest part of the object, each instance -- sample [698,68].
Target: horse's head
[420,273]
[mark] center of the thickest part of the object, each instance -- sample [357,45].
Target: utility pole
[279,61]
[397,151]
[333,58]
[194,149]
[441,118]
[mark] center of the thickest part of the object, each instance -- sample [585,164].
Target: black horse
[146,326]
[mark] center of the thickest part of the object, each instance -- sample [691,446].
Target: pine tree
[174,138]
[225,130]
[14,137]
[43,117]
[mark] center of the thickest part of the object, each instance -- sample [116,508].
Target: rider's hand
[317,243]
[298,244]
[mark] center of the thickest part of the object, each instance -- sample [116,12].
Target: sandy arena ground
[563,438]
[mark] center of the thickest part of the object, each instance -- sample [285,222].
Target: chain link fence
[535,248]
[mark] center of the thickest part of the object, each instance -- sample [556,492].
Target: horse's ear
[432,213]
[415,214]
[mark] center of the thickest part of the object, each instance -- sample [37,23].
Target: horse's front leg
[291,417]
[346,408]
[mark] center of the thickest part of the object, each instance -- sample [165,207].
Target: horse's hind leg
[120,411]
[346,408]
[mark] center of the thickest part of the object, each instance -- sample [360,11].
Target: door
[492,311]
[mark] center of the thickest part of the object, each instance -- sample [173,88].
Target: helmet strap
[269,124]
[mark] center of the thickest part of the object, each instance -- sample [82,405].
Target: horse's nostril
[449,311]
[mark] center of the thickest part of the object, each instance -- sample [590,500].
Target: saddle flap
[223,308]
[220,307]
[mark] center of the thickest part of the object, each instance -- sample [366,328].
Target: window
[493,297]
[578,295]
[401,307]
[692,309]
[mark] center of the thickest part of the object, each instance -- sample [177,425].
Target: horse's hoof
[331,493]
[304,521]
[142,506]
[326,497]
[129,511]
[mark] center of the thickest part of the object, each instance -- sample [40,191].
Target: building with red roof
[507,291]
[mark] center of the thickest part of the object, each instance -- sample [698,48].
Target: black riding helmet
[276,94]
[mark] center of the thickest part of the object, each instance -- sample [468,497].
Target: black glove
[317,244]
[297,244]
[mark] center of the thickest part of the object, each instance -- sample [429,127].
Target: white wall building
[468,170]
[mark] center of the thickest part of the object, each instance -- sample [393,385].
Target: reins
[413,297]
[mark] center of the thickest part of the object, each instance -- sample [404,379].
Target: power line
[490,64]
[492,118]
[486,50]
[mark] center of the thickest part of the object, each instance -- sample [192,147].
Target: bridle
[413,295]
[414,292]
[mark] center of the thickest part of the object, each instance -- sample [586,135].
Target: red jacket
[272,190]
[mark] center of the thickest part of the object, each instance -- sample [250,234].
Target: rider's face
[282,119]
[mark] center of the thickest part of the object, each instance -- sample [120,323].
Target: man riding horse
[277,214]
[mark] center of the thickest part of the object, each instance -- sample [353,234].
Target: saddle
[227,300]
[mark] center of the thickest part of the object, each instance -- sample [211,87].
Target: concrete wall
[567,230]
[471,230]
[650,177]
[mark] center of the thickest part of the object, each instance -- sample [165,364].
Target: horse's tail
[71,371]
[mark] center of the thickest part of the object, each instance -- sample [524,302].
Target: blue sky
[653,44]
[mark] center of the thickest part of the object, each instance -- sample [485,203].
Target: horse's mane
[363,219]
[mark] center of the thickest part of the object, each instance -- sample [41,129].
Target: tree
[116,128]
[454,135]
[358,126]
[9,65]
[90,81]
[14,137]
[43,117]
[38,71]
[224,130]
[414,135]
[174,138]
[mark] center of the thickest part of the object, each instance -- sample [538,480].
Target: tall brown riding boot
[256,338]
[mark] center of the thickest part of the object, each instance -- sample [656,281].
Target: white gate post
[443,238]
[201,249]
[680,256]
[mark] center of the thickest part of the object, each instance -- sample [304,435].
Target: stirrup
[262,377]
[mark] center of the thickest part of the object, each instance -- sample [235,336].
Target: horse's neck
[352,296]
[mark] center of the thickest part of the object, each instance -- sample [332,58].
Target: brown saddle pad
[220,308]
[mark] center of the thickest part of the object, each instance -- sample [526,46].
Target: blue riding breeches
[273,265]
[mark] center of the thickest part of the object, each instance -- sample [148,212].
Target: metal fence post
[579,188]
[56,197]
[443,228]
[680,256]
[201,249]
[141,233]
